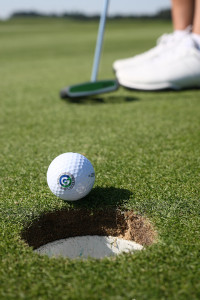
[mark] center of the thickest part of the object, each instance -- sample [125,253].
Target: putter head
[89,89]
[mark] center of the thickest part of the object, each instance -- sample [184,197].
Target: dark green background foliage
[144,148]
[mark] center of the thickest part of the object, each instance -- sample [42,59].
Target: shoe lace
[164,38]
[171,37]
[182,50]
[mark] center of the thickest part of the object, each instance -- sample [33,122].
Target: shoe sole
[154,87]
[148,87]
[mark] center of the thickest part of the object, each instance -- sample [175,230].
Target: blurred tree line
[162,14]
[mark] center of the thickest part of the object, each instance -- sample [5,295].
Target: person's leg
[196,22]
[182,17]
[182,13]
[169,69]
[166,65]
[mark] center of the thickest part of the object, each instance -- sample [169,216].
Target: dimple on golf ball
[70,176]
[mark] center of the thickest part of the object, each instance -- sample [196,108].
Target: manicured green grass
[144,148]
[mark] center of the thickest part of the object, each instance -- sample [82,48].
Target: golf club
[94,86]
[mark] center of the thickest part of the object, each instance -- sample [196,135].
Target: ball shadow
[101,197]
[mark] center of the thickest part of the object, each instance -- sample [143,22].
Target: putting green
[144,148]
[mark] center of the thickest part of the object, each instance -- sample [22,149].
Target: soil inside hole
[63,224]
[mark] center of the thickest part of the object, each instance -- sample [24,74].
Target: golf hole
[83,233]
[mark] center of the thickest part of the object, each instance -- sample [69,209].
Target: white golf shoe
[164,43]
[176,69]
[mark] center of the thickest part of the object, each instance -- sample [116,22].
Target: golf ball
[70,176]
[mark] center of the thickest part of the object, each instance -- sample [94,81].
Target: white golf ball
[70,176]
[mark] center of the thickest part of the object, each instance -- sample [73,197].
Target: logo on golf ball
[66,181]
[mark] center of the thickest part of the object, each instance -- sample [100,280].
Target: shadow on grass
[101,197]
[101,100]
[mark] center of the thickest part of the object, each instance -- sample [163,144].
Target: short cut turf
[144,148]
